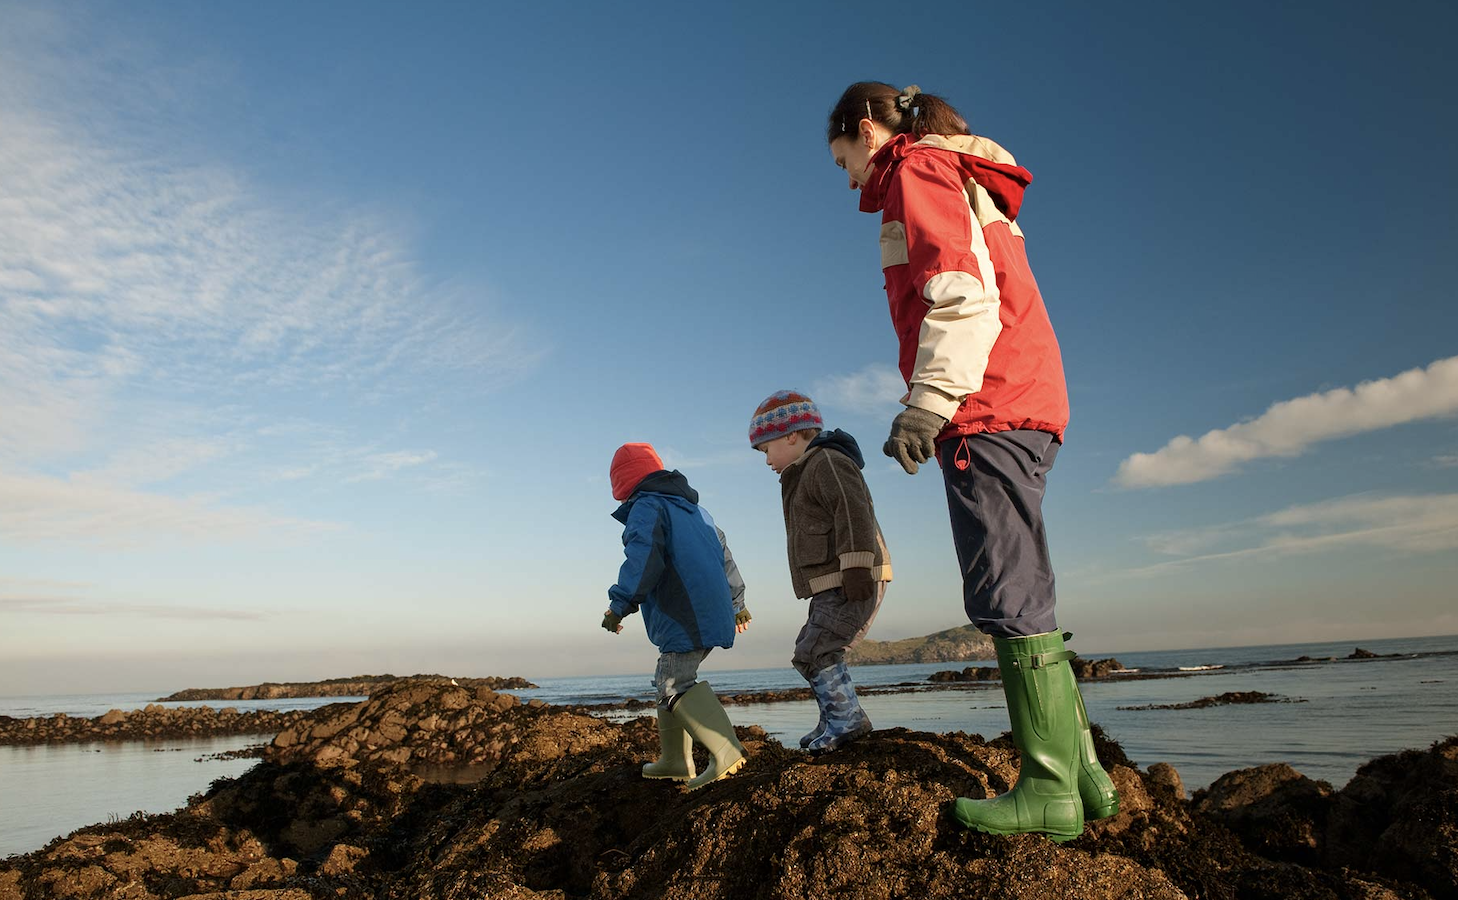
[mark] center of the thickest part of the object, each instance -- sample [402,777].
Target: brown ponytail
[903,112]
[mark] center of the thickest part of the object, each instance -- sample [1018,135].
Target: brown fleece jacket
[830,522]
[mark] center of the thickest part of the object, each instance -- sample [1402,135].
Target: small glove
[612,622]
[857,584]
[913,437]
[741,620]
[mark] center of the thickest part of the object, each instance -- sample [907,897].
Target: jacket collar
[671,484]
[981,160]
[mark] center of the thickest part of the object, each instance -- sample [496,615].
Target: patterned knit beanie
[782,413]
[631,464]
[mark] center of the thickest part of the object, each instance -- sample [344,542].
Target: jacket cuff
[932,400]
[858,559]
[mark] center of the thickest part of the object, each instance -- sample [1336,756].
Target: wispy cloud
[1396,523]
[1290,427]
[45,508]
[380,465]
[69,606]
[146,289]
[874,390]
[1446,461]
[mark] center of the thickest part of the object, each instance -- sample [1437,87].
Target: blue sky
[319,323]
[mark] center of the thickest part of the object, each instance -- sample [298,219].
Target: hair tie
[905,100]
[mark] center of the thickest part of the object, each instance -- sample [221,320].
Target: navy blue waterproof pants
[995,484]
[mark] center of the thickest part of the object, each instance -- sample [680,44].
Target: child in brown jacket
[838,559]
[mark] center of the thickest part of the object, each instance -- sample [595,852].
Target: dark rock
[1278,812]
[1165,776]
[971,673]
[1230,697]
[1085,669]
[1399,816]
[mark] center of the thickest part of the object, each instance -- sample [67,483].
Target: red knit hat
[631,464]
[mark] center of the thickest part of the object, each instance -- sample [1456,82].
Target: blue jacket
[678,569]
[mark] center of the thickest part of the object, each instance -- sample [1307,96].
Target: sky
[319,323]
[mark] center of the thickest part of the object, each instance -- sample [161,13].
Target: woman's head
[870,113]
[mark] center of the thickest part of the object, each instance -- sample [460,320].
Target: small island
[357,686]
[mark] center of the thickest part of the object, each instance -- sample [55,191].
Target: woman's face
[853,152]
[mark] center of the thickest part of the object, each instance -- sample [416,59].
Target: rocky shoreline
[151,722]
[358,686]
[430,790]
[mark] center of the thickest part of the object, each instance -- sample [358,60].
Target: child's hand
[613,622]
[741,621]
[857,584]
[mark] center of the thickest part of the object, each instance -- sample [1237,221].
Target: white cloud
[874,390]
[158,306]
[71,606]
[1288,428]
[380,465]
[44,508]
[1446,461]
[1410,524]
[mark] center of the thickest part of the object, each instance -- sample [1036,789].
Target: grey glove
[913,437]
[857,584]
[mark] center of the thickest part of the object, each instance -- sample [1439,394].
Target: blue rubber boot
[819,728]
[844,719]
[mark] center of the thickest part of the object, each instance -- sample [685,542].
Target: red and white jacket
[976,343]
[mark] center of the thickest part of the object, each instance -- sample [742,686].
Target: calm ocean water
[1352,711]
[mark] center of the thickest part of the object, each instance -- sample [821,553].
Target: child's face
[782,451]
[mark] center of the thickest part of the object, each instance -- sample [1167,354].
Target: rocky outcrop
[1083,670]
[971,673]
[358,686]
[560,810]
[951,645]
[1226,699]
[1397,817]
[153,721]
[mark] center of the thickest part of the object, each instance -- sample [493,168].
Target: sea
[1342,712]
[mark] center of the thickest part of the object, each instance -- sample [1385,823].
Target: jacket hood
[981,160]
[663,481]
[840,441]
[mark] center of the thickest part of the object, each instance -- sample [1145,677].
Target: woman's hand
[913,437]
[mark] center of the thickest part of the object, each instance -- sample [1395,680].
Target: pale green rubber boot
[675,753]
[1042,705]
[707,723]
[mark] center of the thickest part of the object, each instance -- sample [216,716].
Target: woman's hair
[906,111]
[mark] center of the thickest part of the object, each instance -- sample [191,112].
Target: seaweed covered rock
[1399,816]
[153,721]
[417,722]
[1276,810]
[560,811]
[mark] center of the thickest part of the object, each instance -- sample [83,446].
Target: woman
[987,398]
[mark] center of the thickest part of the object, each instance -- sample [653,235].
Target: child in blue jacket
[678,571]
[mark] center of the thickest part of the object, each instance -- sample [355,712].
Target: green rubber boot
[675,753]
[1095,787]
[1042,705]
[707,723]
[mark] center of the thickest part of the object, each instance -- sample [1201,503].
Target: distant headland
[952,645]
